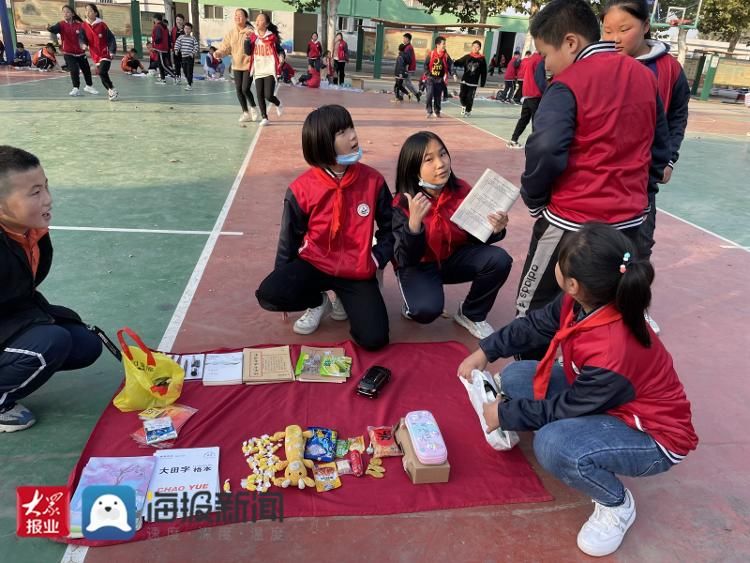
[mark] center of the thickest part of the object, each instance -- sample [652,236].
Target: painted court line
[732,244]
[32,81]
[148,231]
[170,334]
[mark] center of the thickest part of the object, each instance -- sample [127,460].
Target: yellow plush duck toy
[295,466]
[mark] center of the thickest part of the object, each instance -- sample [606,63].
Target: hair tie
[624,265]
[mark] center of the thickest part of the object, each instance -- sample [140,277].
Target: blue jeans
[31,358]
[586,452]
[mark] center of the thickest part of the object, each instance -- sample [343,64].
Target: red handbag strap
[137,339]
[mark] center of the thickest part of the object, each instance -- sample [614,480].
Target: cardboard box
[419,473]
[358,83]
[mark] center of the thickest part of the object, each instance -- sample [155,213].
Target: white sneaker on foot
[652,323]
[161,82]
[75,92]
[478,329]
[188,87]
[310,321]
[245,118]
[513,145]
[90,90]
[468,114]
[463,111]
[263,122]
[605,529]
[338,313]
[254,114]
[279,110]
[113,95]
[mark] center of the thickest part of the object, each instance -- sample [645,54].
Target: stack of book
[267,365]
[323,365]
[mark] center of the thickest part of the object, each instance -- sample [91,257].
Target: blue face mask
[429,186]
[349,159]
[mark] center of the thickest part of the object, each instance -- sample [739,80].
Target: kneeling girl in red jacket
[331,213]
[430,250]
[615,406]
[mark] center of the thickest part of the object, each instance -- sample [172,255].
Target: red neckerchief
[604,316]
[437,227]
[351,175]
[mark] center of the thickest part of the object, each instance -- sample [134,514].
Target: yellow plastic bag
[152,379]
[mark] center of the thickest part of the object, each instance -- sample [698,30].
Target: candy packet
[342,448]
[326,477]
[357,444]
[322,445]
[344,467]
[355,462]
[383,442]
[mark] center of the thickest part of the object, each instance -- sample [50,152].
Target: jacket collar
[656,50]
[596,48]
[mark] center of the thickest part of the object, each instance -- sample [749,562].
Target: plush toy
[295,466]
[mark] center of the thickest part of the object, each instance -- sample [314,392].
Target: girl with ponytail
[614,405]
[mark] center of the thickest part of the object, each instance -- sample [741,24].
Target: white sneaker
[188,87]
[605,529]
[463,111]
[263,122]
[429,116]
[245,118]
[310,321]
[16,418]
[161,82]
[652,323]
[513,145]
[113,95]
[75,92]
[279,110]
[338,313]
[468,114]
[478,329]
[90,90]
[254,114]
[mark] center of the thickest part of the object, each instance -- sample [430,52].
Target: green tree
[726,19]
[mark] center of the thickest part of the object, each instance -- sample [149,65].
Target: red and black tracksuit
[410,60]
[534,83]
[314,53]
[599,134]
[174,33]
[511,73]
[674,92]
[72,37]
[102,47]
[325,243]
[161,42]
[608,370]
[340,58]
[437,68]
[443,253]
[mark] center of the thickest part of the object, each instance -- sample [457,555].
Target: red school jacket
[101,40]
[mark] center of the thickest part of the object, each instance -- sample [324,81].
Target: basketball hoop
[677,22]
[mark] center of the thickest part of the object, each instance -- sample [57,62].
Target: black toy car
[373,381]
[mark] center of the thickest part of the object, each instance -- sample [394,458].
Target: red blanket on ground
[424,377]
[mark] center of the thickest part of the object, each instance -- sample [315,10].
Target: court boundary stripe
[146,231]
[718,236]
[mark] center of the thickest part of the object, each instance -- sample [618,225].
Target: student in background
[400,74]
[263,48]
[493,65]
[130,63]
[314,51]
[234,44]
[431,251]
[520,77]
[72,42]
[340,58]
[44,58]
[475,75]
[511,74]
[410,58]
[37,339]
[187,47]
[330,73]
[161,43]
[178,30]
[626,22]
[213,67]
[286,71]
[102,47]
[615,406]
[590,155]
[331,213]
[21,58]
[533,86]
[311,79]
[153,57]
[437,68]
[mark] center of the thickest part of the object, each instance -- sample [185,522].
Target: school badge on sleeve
[363,210]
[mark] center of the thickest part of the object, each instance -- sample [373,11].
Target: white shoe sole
[461,320]
[13,428]
[598,551]
[339,316]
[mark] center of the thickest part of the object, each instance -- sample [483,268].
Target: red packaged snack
[355,460]
[383,442]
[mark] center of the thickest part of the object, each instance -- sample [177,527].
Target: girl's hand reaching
[498,220]
[477,360]
[419,205]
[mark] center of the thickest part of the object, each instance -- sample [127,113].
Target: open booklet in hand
[491,193]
